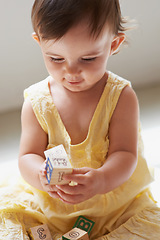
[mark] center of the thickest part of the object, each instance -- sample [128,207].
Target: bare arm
[123,136]
[32,145]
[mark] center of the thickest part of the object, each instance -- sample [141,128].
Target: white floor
[149,99]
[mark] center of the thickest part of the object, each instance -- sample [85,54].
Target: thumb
[81,170]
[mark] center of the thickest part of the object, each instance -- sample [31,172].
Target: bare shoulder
[33,137]
[27,109]
[127,109]
[128,99]
[130,94]
[27,114]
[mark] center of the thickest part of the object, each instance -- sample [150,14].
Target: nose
[72,69]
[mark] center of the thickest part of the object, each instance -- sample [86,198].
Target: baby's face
[77,61]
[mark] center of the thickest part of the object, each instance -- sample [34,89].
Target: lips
[75,82]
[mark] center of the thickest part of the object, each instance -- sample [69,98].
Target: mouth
[75,82]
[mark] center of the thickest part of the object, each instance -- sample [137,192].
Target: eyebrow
[86,54]
[52,54]
[93,53]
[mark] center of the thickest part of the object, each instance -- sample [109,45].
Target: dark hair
[51,19]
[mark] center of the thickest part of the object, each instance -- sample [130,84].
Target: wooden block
[57,165]
[76,234]
[40,232]
[84,224]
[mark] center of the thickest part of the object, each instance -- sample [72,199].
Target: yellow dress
[128,212]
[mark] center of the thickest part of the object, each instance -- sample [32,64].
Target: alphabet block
[84,224]
[57,165]
[40,232]
[76,234]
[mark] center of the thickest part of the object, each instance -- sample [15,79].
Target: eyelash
[89,59]
[59,60]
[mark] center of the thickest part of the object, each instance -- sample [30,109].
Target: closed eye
[89,59]
[57,60]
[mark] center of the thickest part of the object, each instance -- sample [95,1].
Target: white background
[21,62]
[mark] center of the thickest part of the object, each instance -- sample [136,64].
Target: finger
[43,171]
[43,179]
[71,190]
[69,199]
[83,170]
[77,175]
[78,178]
[53,194]
[77,171]
[51,188]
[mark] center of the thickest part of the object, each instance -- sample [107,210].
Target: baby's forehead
[81,29]
[78,41]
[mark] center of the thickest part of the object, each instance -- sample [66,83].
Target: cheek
[53,68]
[47,64]
[99,66]
[95,73]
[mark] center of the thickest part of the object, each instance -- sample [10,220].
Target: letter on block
[40,232]
[57,165]
[84,224]
[76,234]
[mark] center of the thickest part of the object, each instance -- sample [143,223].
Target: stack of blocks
[57,165]
[80,231]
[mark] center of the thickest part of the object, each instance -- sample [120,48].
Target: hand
[50,189]
[89,183]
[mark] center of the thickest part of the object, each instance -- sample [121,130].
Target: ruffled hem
[145,225]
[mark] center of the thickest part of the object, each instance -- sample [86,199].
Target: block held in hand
[57,165]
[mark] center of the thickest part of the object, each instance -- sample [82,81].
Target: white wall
[21,62]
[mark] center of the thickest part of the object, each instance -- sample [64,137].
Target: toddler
[94,114]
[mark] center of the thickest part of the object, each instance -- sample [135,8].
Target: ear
[116,43]
[35,37]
